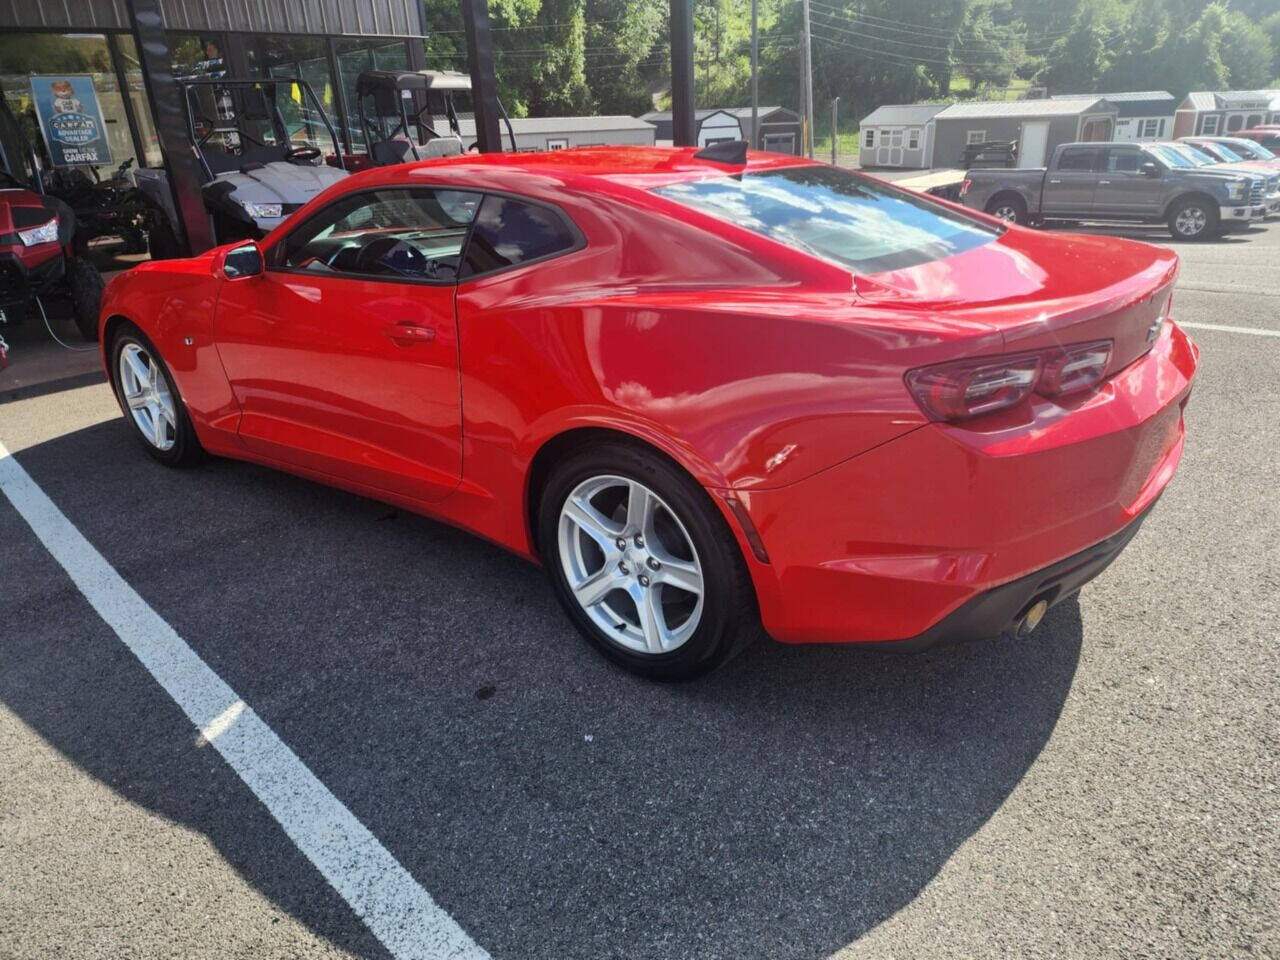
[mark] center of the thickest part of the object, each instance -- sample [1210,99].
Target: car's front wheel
[643,563]
[150,400]
[1194,219]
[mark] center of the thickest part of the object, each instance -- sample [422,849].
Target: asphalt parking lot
[1105,788]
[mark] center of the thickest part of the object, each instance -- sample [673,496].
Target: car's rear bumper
[888,545]
[1002,609]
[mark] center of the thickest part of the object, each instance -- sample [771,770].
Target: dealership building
[327,42]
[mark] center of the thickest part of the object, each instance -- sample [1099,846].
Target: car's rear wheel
[1009,208]
[1194,219]
[150,400]
[644,565]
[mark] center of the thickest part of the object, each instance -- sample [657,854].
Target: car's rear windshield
[836,215]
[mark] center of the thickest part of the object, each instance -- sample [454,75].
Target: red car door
[343,354]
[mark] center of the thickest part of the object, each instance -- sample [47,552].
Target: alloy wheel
[1190,221]
[147,395]
[631,564]
[1006,212]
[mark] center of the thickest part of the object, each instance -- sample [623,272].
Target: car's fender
[172,302]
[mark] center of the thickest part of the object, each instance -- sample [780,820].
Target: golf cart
[37,249]
[411,115]
[261,148]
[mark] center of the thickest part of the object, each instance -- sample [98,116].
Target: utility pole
[807,55]
[684,127]
[835,130]
[755,74]
[484,85]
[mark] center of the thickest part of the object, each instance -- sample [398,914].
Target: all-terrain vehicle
[37,240]
[412,115]
[261,145]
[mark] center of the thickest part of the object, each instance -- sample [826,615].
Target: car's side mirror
[242,262]
[1150,169]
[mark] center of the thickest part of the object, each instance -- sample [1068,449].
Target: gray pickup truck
[1126,182]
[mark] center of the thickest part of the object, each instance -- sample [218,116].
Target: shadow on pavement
[555,806]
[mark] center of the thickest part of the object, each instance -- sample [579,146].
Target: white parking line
[398,911]
[1256,331]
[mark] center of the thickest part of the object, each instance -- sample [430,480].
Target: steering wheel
[307,154]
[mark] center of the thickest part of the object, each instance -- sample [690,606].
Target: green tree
[1247,52]
[1191,59]
[1076,62]
[1272,27]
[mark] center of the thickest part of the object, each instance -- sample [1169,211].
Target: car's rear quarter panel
[750,386]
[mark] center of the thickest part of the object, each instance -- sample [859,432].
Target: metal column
[755,74]
[484,83]
[806,53]
[185,176]
[684,128]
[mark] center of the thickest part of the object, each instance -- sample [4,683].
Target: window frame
[1104,160]
[1152,127]
[869,138]
[273,253]
[579,238]
[1204,125]
[1098,158]
[970,141]
[913,138]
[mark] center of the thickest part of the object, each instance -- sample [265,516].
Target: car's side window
[509,232]
[1078,159]
[394,233]
[1124,161]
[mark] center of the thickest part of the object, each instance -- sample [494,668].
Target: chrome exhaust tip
[1031,619]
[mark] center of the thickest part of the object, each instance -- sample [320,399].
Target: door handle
[406,333]
[1104,183]
[1055,181]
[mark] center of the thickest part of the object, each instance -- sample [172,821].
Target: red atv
[37,256]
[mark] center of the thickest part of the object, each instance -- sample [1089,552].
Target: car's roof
[639,167]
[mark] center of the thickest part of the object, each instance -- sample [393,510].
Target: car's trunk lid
[1042,290]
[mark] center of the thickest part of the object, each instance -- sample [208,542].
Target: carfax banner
[70,120]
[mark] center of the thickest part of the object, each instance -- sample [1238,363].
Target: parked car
[708,391]
[1222,158]
[1126,182]
[1224,148]
[1269,137]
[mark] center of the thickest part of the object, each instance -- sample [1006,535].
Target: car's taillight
[1074,368]
[964,187]
[962,389]
[968,388]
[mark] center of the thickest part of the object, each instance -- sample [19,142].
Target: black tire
[729,620]
[1182,216]
[85,285]
[1008,207]
[162,242]
[186,449]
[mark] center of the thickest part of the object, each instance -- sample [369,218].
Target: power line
[914,29]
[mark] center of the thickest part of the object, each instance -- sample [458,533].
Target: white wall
[719,126]
[1130,128]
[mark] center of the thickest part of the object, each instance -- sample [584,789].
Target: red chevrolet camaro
[708,395]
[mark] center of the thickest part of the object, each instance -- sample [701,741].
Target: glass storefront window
[356,56]
[27,55]
[197,56]
[128,53]
[307,59]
